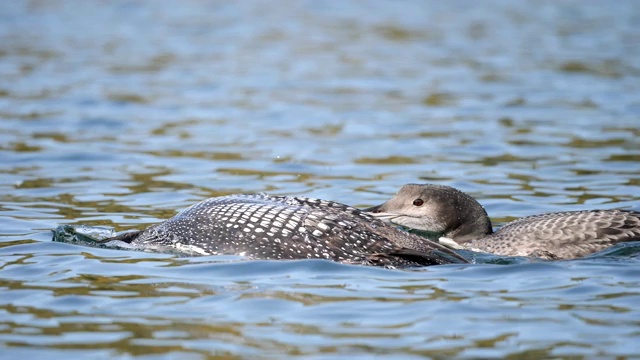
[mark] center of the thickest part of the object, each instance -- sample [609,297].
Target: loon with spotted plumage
[450,214]
[282,227]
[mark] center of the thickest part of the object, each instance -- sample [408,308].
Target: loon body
[281,227]
[450,213]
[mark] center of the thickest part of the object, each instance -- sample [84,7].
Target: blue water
[121,113]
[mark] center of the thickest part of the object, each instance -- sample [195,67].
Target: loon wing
[352,232]
[566,234]
[265,227]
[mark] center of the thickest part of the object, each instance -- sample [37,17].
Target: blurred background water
[120,113]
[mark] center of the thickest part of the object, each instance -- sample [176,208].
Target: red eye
[418,202]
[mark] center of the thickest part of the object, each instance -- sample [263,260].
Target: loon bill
[281,227]
[456,216]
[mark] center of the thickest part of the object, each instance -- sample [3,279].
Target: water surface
[121,113]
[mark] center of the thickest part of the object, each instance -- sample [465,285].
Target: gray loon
[450,213]
[281,227]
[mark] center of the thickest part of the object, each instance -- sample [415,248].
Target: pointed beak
[378,212]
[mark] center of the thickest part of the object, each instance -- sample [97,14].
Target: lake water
[121,113]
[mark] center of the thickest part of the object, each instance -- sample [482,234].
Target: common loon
[282,227]
[446,212]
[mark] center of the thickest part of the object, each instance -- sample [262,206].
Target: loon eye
[418,202]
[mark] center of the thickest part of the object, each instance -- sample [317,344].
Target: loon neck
[477,225]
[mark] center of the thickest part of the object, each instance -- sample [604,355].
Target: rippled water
[121,113]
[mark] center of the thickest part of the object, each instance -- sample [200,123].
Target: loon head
[436,209]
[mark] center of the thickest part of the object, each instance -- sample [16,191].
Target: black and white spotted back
[281,227]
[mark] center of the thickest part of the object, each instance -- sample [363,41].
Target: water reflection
[119,114]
